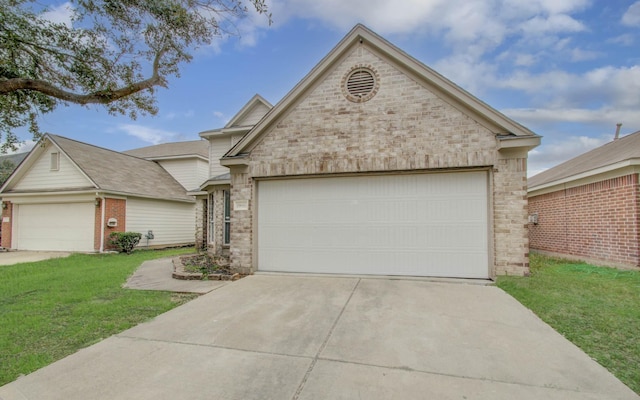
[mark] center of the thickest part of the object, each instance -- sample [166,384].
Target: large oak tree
[114,53]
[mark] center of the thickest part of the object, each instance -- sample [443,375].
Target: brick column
[241,248]
[7,214]
[510,224]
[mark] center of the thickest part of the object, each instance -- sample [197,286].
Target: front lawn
[50,309]
[596,308]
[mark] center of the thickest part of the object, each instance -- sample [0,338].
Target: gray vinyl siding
[171,222]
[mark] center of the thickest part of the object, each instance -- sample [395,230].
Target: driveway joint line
[324,343]
[214,346]
[409,369]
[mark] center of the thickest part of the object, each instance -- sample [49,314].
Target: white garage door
[57,227]
[420,225]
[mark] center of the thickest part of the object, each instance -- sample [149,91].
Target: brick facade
[7,215]
[202,225]
[598,222]
[404,127]
[114,208]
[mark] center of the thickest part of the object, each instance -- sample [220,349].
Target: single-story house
[588,208]
[69,196]
[376,164]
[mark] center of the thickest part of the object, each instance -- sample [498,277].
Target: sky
[569,70]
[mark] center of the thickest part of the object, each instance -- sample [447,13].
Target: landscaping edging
[180,273]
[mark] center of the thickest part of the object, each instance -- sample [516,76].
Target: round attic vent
[360,84]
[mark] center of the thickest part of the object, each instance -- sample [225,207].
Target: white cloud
[149,135]
[475,26]
[632,16]
[605,118]
[221,116]
[578,55]
[551,24]
[626,39]
[557,152]
[616,86]
[61,14]
[23,147]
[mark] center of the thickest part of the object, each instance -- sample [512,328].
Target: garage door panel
[422,224]
[55,227]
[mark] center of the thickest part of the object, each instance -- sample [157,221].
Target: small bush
[125,242]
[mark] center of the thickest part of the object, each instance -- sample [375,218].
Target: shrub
[125,242]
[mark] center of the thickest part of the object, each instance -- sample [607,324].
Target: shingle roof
[625,148]
[118,172]
[193,147]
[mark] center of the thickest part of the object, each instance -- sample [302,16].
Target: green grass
[596,308]
[50,309]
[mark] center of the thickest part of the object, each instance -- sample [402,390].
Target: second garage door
[418,224]
[54,227]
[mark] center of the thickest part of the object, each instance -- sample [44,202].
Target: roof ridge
[53,136]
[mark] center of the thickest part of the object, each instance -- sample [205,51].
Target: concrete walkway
[156,275]
[300,337]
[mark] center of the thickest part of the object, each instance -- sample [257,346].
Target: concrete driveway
[22,256]
[303,337]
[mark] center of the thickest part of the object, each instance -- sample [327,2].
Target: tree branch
[97,97]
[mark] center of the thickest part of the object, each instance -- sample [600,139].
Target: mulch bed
[201,267]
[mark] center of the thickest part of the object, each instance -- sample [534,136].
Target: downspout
[103,206]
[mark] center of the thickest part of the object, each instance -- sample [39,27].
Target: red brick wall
[114,208]
[6,226]
[598,221]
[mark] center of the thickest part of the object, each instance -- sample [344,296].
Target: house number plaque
[241,205]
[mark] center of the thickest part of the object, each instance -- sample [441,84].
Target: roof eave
[225,131]
[241,159]
[511,141]
[607,168]
[176,157]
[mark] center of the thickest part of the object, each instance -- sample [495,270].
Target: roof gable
[105,170]
[35,173]
[617,151]
[251,113]
[499,124]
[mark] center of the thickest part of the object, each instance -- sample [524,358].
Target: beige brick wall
[241,222]
[201,223]
[510,216]
[403,127]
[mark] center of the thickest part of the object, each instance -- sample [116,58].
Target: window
[55,161]
[227,218]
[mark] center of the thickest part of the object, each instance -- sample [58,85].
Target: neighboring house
[213,209]
[376,164]
[187,162]
[8,164]
[588,208]
[68,195]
